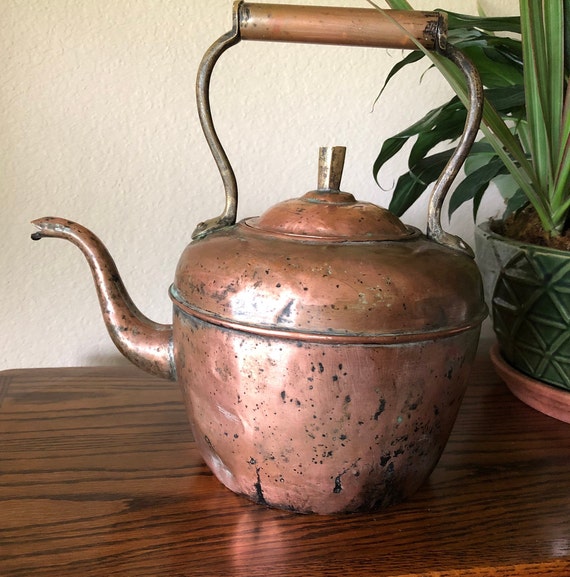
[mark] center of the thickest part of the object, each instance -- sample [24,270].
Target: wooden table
[99,476]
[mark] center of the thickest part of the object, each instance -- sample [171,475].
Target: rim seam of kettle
[249,225]
[332,337]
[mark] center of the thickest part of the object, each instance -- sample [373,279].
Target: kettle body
[323,377]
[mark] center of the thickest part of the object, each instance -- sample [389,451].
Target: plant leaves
[509,100]
[448,126]
[475,184]
[506,186]
[411,185]
[534,53]
[393,145]
[410,58]
[515,202]
[488,23]
[529,132]
[494,72]
[567,37]
[478,157]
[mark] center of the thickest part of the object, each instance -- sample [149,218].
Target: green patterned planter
[527,288]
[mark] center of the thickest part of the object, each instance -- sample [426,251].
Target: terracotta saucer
[547,399]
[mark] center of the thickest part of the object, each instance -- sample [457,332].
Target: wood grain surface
[99,476]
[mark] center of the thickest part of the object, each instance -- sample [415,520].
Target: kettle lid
[328,213]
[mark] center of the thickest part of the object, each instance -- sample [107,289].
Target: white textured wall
[98,124]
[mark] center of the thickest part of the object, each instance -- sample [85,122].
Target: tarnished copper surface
[315,427]
[323,350]
[322,347]
[397,290]
[334,216]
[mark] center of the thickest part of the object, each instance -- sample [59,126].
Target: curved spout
[146,343]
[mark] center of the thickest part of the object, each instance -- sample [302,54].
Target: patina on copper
[322,347]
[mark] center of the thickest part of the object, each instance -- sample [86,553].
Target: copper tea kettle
[322,348]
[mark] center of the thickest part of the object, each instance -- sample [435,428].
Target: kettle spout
[147,344]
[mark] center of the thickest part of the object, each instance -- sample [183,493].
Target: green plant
[526,121]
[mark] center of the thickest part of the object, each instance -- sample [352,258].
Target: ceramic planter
[527,288]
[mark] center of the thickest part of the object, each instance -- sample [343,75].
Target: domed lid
[328,213]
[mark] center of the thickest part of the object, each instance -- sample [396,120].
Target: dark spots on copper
[337,485]
[222,295]
[343,436]
[380,410]
[258,489]
[286,312]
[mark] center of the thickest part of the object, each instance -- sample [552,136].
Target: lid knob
[331,164]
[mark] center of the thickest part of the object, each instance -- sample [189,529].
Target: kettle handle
[339,26]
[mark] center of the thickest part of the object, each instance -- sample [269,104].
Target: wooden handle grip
[340,26]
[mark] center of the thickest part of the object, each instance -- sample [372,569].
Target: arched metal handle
[474,113]
[339,26]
